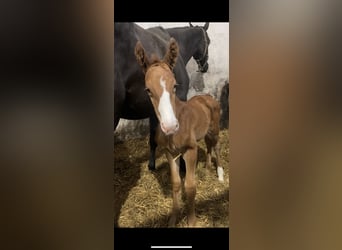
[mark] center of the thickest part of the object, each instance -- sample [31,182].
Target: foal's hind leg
[211,141]
[208,143]
[220,171]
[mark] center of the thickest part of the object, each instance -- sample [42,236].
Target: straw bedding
[144,199]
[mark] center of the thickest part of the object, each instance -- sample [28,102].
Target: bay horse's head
[160,84]
[201,55]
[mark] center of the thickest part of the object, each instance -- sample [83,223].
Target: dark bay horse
[193,41]
[182,125]
[130,100]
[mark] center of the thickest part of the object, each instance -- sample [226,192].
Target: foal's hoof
[172,221]
[192,221]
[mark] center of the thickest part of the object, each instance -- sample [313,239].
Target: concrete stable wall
[210,82]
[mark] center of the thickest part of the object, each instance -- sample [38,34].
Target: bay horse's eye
[148,91]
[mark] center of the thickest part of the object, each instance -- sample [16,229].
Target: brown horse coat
[182,125]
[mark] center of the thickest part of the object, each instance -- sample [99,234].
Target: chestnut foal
[182,124]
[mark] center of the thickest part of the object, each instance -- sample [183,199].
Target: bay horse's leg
[117,113]
[153,145]
[190,157]
[116,121]
[119,97]
[182,164]
[176,188]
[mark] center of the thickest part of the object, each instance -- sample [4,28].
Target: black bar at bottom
[189,238]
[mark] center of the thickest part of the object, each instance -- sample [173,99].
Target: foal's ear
[206,26]
[141,56]
[172,53]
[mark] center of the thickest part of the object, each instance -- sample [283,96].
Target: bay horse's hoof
[151,167]
[152,163]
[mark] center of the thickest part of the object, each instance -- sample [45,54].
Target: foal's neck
[179,106]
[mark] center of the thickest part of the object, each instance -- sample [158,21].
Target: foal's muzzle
[169,128]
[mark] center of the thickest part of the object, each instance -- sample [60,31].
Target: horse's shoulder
[188,115]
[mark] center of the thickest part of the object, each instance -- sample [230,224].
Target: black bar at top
[171,11]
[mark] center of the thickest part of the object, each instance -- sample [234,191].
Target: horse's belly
[130,115]
[135,113]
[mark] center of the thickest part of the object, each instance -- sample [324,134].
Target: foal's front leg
[176,188]
[190,157]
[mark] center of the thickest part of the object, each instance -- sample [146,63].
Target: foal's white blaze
[168,121]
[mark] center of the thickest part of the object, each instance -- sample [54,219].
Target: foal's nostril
[170,129]
[177,126]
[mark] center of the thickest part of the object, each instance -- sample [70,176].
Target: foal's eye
[148,91]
